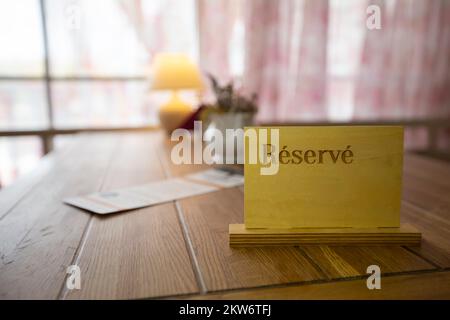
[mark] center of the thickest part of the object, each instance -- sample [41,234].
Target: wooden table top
[180,249]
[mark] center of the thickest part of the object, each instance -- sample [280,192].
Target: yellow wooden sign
[326,177]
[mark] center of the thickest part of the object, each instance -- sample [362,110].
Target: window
[70,65]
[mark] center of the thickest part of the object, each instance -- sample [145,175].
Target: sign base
[405,235]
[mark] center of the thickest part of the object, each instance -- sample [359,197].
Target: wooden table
[181,249]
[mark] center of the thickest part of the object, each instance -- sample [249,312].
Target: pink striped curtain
[163,25]
[215,22]
[401,72]
[405,66]
[286,57]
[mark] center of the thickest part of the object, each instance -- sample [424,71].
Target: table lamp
[174,72]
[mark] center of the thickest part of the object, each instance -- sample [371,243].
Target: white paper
[218,177]
[156,192]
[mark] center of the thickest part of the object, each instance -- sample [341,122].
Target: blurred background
[69,66]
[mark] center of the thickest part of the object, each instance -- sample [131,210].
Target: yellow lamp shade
[173,71]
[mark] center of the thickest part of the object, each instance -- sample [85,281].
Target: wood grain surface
[426,191]
[40,235]
[181,249]
[141,253]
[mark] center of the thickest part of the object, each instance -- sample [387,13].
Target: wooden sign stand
[330,186]
[405,235]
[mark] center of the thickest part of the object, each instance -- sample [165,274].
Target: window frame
[47,135]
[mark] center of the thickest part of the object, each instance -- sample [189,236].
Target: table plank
[207,218]
[40,235]
[422,286]
[431,169]
[426,190]
[11,195]
[424,193]
[342,262]
[141,253]
[426,183]
[435,228]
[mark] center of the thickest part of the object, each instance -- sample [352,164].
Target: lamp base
[173,113]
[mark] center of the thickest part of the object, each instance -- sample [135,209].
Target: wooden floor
[180,249]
